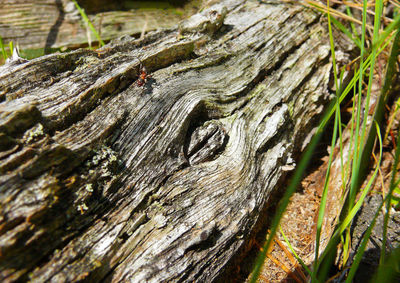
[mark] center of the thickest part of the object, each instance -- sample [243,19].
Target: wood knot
[206,142]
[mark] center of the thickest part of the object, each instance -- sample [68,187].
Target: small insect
[143,76]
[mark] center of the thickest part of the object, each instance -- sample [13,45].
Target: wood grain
[105,180]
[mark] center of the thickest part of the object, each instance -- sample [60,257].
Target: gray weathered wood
[45,24]
[106,179]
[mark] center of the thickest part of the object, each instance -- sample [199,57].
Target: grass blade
[88,22]
[322,205]
[361,249]
[294,253]
[3,50]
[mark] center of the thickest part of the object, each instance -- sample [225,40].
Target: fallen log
[112,171]
[38,26]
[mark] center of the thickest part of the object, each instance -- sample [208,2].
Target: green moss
[291,108]
[85,62]
[231,119]
[260,88]
[33,133]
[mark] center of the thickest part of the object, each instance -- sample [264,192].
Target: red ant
[143,76]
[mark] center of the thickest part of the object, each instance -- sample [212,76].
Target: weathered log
[104,178]
[49,24]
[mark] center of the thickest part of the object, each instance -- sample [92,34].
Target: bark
[107,179]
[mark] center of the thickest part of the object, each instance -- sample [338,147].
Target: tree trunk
[107,176]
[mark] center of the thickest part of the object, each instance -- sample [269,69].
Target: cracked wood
[103,179]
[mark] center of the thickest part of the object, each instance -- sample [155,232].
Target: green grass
[88,24]
[365,140]
[3,50]
[34,53]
